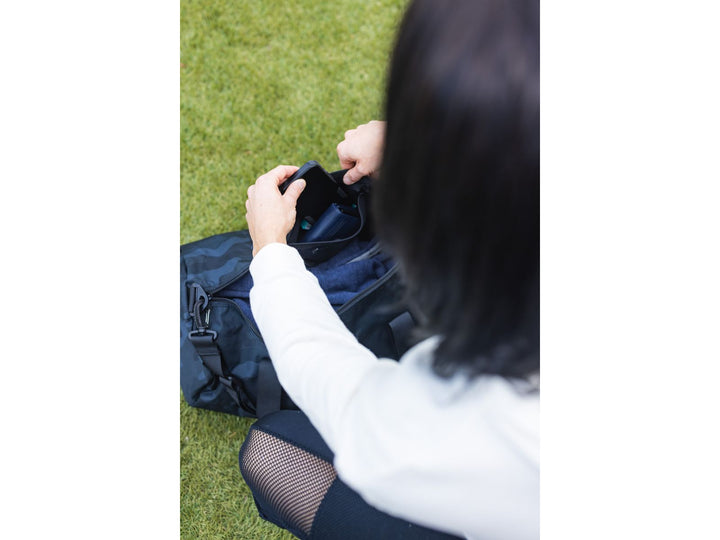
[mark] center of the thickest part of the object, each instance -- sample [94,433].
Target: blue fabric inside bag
[342,277]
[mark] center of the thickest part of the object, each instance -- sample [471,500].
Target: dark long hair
[458,198]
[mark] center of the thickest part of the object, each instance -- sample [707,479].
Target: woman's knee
[287,477]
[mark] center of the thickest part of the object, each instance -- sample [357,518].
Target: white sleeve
[317,359]
[450,454]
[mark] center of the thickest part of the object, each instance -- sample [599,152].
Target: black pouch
[322,190]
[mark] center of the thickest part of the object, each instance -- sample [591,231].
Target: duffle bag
[224,364]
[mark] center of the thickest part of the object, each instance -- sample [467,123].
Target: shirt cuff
[274,259]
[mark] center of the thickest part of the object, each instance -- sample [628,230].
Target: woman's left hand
[270,214]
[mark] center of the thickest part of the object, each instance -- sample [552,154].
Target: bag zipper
[250,323]
[365,292]
[203,300]
[200,299]
[230,281]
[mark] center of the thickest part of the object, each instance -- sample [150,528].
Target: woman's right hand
[361,151]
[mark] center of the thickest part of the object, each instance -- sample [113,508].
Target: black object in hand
[320,190]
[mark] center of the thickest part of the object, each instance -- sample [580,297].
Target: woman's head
[458,196]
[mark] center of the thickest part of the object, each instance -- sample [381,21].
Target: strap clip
[196,336]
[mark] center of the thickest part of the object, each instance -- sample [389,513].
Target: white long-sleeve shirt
[451,454]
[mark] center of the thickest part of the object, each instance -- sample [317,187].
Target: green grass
[263,82]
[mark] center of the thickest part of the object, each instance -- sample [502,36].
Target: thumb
[352,176]
[294,190]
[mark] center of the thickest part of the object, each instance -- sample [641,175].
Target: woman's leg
[289,470]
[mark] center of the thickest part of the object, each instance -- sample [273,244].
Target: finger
[294,190]
[346,162]
[250,191]
[352,176]
[349,132]
[279,174]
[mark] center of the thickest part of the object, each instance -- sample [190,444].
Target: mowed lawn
[263,83]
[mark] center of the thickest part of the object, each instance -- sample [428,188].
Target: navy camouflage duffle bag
[224,364]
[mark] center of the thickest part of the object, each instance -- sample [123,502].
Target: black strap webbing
[210,355]
[400,327]
[269,391]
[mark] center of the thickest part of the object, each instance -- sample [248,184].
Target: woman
[445,441]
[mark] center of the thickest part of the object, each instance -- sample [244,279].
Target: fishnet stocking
[291,480]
